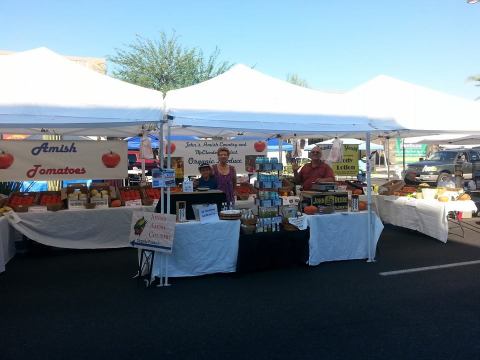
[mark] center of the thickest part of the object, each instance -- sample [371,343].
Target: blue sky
[333,45]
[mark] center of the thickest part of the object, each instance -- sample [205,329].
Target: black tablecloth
[264,251]
[191,199]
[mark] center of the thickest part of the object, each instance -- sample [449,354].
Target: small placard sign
[162,178]
[187,186]
[208,213]
[300,222]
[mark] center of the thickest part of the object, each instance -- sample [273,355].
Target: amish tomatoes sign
[62,160]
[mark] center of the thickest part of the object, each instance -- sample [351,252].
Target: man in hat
[316,171]
[206,180]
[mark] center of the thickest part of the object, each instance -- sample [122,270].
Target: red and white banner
[62,160]
[188,155]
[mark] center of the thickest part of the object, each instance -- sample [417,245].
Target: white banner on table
[190,154]
[62,160]
[152,231]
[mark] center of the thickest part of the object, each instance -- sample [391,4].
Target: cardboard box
[391,187]
[76,202]
[337,199]
[23,199]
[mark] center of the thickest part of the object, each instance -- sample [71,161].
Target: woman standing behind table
[225,174]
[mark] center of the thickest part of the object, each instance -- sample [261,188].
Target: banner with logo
[189,154]
[152,231]
[62,160]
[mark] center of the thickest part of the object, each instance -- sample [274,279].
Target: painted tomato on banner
[172,148]
[6,160]
[111,159]
[259,146]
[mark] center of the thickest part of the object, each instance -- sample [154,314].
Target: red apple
[110,159]
[259,146]
[6,160]
[172,148]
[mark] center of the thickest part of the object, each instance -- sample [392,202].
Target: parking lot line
[428,268]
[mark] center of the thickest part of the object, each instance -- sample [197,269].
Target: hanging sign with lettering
[62,160]
[190,154]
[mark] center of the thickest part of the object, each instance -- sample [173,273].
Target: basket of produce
[230,214]
[90,205]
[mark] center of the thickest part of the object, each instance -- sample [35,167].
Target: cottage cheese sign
[62,160]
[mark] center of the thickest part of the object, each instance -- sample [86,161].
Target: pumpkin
[362,205]
[357,192]
[116,203]
[443,198]
[310,210]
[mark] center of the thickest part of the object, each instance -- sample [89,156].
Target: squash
[310,210]
[443,198]
[116,203]
[362,205]
[464,197]
[357,192]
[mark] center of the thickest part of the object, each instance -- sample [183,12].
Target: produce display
[425,191]
[152,193]
[23,199]
[129,194]
[50,198]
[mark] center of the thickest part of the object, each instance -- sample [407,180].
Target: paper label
[208,214]
[300,222]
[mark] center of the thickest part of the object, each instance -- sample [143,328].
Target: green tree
[164,64]
[297,80]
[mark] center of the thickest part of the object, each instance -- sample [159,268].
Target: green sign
[413,152]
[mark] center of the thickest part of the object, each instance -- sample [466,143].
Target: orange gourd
[362,205]
[310,210]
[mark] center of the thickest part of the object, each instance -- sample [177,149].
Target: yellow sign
[349,165]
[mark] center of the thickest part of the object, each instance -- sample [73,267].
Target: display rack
[268,200]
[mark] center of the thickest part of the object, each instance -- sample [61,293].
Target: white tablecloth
[79,229]
[7,243]
[426,216]
[341,236]
[200,249]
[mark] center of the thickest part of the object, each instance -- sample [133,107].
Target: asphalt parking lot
[84,304]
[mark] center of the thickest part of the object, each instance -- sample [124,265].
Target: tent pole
[143,182]
[162,163]
[169,158]
[371,257]
[403,153]
[387,156]
[280,150]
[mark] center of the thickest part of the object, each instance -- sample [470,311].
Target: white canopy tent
[445,139]
[245,101]
[420,110]
[43,92]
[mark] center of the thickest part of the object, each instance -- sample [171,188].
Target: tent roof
[347,141]
[243,100]
[419,109]
[444,139]
[40,89]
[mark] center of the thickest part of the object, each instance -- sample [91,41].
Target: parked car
[440,166]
